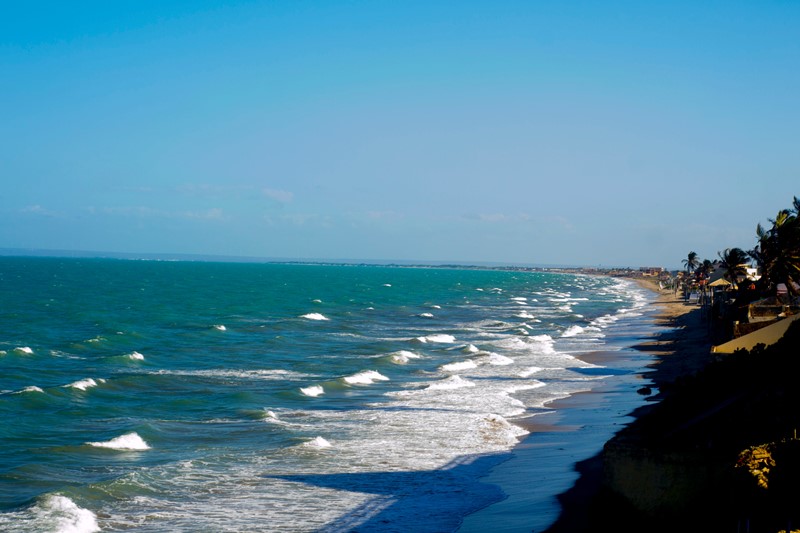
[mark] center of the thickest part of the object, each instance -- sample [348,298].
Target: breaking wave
[128,441]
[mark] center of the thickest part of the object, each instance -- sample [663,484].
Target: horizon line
[175,256]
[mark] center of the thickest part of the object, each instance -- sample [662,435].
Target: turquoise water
[200,396]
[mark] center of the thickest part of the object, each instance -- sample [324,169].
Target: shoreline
[681,349]
[556,464]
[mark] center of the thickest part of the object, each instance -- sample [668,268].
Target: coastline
[549,482]
[682,349]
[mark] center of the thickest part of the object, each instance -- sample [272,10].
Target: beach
[680,350]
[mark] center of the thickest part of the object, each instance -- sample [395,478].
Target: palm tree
[705,269]
[691,262]
[733,261]
[778,248]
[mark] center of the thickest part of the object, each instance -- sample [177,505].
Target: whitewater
[188,396]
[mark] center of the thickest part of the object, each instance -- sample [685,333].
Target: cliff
[719,451]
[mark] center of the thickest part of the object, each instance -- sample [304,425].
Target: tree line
[776,254]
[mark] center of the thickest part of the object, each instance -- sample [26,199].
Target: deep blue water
[200,396]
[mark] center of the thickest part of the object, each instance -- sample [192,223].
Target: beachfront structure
[651,271]
[767,336]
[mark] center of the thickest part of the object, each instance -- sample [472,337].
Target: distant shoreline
[618,271]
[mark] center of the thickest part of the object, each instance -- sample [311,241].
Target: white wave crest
[220,327]
[32,388]
[544,343]
[453,382]
[59,514]
[460,365]
[426,315]
[128,441]
[604,321]
[313,391]
[366,377]
[24,350]
[525,315]
[541,344]
[84,384]
[317,442]
[438,337]
[136,356]
[315,316]
[470,348]
[572,331]
[235,374]
[403,356]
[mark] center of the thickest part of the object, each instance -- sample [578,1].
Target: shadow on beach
[420,501]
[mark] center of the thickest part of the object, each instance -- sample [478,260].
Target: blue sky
[536,132]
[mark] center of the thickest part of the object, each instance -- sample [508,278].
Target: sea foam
[366,377]
[315,316]
[530,371]
[136,356]
[220,327]
[453,382]
[128,441]
[495,428]
[61,515]
[461,365]
[499,360]
[25,350]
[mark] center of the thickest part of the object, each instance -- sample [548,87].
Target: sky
[578,133]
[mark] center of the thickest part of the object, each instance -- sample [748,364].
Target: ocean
[200,396]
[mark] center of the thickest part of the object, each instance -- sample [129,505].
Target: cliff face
[690,458]
[662,483]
